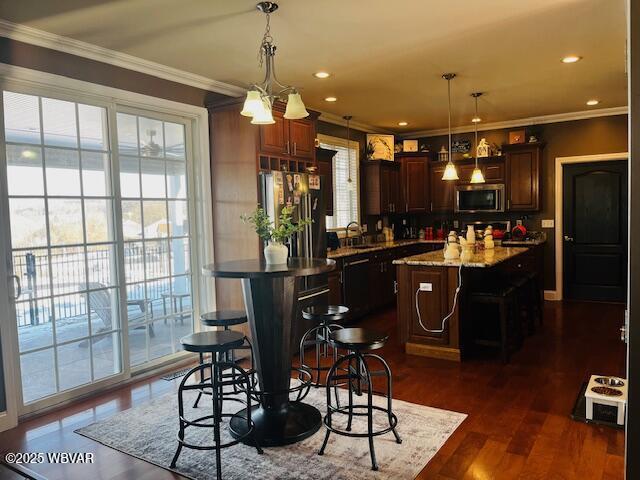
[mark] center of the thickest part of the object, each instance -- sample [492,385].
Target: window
[346,199]
[101,238]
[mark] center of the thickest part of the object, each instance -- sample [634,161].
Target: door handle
[295,148]
[357,262]
[287,151]
[311,295]
[567,238]
[19,290]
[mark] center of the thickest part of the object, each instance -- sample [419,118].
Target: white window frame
[342,142]
[33,82]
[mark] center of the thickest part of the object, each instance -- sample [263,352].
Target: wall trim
[34,36]
[559,173]
[338,120]
[551,295]
[524,122]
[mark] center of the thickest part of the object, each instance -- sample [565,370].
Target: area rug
[149,431]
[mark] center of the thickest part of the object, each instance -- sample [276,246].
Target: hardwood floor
[518,425]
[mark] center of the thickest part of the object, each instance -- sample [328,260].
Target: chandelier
[260,97]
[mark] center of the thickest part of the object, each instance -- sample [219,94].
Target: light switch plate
[548,223]
[426,287]
[456,224]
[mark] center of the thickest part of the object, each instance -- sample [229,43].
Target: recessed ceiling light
[571,59]
[403,124]
[476,119]
[330,99]
[322,74]
[593,102]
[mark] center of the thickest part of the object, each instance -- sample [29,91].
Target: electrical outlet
[456,224]
[426,287]
[518,222]
[548,223]
[364,228]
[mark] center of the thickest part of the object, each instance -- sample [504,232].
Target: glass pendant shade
[252,104]
[476,176]
[295,107]
[263,116]
[450,172]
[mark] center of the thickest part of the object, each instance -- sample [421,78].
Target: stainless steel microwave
[479,198]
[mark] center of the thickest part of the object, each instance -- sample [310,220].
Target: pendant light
[260,97]
[450,172]
[476,176]
[350,184]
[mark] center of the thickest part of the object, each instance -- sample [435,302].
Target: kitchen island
[429,282]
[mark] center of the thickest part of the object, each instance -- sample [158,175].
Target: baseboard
[551,295]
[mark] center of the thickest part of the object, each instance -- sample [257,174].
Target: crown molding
[40,38]
[523,122]
[338,120]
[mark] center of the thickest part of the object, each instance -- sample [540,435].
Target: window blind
[345,194]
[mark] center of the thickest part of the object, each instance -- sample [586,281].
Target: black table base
[273,428]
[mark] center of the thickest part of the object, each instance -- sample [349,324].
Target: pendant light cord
[348,119]
[475,124]
[449,97]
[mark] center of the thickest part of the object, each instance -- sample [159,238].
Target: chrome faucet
[346,232]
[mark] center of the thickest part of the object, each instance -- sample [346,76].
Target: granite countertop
[480,259]
[524,243]
[349,251]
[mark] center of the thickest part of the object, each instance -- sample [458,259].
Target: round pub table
[271,300]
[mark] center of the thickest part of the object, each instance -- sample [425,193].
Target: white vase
[276,253]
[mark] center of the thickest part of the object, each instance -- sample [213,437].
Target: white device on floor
[428,287]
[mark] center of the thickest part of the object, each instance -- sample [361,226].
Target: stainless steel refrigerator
[302,191]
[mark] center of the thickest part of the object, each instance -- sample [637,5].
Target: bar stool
[226,319]
[505,299]
[216,343]
[358,374]
[318,336]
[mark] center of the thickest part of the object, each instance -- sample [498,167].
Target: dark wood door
[415,184]
[274,138]
[302,138]
[523,177]
[441,191]
[595,231]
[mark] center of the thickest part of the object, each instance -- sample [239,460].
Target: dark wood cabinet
[414,185]
[492,169]
[324,160]
[302,138]
[382,187]
[274,138]
[334,281]
[295,138]
[355,285]
[522,165]
[441,190]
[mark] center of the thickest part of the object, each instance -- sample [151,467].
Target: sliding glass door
[99,239]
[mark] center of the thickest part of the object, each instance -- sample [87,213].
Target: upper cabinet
[382,187]
[414,184]
[522,165]
[441,190]
[294,138]
[324,159]
[492,169]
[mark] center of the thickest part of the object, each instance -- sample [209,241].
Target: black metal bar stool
[504,297]
[357,376]
[216,343]
[318,336]
[226,319]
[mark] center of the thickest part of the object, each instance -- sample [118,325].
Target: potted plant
[275,252]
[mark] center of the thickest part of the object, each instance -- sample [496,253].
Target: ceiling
[386,58]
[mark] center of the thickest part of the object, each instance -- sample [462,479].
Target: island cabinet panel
[441,190]
[414,185]
[434,306]
[334,280]
[523,176]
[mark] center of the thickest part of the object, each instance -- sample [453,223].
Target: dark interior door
[595,231]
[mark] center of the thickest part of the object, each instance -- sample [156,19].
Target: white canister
[471,236]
